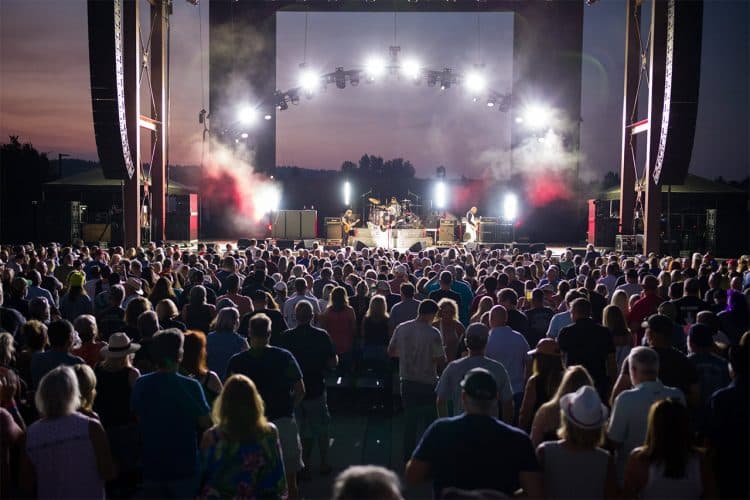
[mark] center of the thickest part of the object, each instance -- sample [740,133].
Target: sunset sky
[44,86]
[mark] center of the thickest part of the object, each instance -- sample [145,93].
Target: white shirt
[509,348]
[629,421]
[417,345]
[630,289]
[291,303]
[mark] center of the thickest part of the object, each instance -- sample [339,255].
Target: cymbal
[374,201]
[406,201]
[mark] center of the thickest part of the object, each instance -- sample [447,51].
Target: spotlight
[440,195]
[269,198]
[267,117]
[537,116]
[519,119]
[347,193]
[510,207]
[475,83]
[411,69]
[491,102]
[309,81]
[340,78]
[247,115]
[540,139]
[244,135]
[374,68]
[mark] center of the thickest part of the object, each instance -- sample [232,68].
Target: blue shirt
[220,346]
[476,452]
[43,362]
[168,406]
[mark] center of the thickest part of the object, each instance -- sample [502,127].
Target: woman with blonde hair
[241,454]
[87,388]
[665,279]
[450,327]
[621,300]
[48,469]
[485,304]
[547,418]
[581,432]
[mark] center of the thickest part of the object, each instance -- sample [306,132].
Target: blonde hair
[86,385]
[377,308]
[448,302]
[58,394]
[585,438]
[620,299]
[239,410]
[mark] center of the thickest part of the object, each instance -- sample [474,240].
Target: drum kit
[394,214]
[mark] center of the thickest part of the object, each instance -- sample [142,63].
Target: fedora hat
[584,409]
[119,346]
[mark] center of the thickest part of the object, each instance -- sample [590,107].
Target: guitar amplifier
[333,228]
[447,231]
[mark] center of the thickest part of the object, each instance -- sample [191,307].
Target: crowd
[166,372]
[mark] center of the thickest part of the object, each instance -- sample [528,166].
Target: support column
[657,69]
[630,96]
[160,113]
[131,206]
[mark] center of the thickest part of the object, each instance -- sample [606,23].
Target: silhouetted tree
[348,167]
[23,170]
[364,164]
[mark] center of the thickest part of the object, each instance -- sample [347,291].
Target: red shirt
[641,310]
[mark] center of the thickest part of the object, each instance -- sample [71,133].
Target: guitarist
[347,227]
[471,225]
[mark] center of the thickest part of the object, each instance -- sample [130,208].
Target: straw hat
[119,346]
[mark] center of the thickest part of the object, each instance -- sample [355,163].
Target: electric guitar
[348,227]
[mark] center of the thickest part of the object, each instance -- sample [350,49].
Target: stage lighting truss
[376,69]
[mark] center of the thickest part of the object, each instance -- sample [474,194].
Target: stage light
[510,207]
[411,69]
[267,117]
[247,114]
[309,81]
[347,193]
[519,119]
[269,198]
[475,83]
[537,116]
[244,135]
[490,103]
[441,195]
[375,68]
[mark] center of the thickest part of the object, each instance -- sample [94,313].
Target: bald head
[498,316]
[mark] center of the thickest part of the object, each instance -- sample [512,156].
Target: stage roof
[693,185]
[95,179]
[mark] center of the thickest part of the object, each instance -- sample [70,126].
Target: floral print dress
[243,469]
